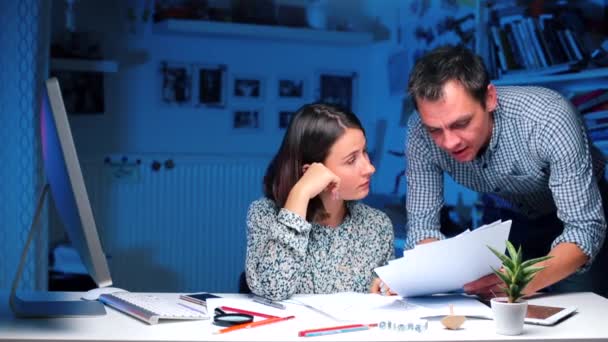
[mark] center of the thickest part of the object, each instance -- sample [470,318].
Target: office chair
[243,287]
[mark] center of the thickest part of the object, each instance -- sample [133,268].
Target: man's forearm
[567,258]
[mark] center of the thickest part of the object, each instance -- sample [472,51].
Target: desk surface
[589,324]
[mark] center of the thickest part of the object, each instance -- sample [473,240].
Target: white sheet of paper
[367,307]
[359,307]
[439,305]
[446,265]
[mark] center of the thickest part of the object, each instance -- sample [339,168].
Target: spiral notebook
[151,308]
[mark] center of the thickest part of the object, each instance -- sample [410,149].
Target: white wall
[137,122]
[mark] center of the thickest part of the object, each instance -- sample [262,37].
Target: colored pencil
[254,324]
[335,330]
[252,313]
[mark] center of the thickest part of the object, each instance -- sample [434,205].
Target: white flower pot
[509,317]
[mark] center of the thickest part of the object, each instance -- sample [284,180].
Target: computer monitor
[65,180]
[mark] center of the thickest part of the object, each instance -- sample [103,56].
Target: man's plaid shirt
[538,159]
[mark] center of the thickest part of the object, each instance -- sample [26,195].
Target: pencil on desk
[254,324]
[335,330]
[252,313]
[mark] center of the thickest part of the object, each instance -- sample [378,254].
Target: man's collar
[496,127]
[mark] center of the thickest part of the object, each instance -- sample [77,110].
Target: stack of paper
[366,307]
[446,265]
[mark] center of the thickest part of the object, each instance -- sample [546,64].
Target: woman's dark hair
[446,63]
[312,131]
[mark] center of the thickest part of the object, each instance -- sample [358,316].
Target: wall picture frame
[247,120]
[176,82]
[284,117]
[211,84]
[83,91]
[291,88]
[248,87]
[338,88]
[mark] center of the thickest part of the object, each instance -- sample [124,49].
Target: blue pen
[331,332]
[335,330]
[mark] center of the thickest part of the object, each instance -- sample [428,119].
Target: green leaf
[516,274]
[502,276]
[533,270]
[503,258]
[508,270]
[519,256]
[531,262]
[528,279]
[512,251]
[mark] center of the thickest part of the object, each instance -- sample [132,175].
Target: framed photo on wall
[338,89]
[247,87]
[211,84]
[291,88]
[176,82]
[247,120]
[83,91]
[284,118]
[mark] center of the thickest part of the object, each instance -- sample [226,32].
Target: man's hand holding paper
[446,265]
[486,287]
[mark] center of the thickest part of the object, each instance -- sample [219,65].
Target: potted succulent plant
[510,311]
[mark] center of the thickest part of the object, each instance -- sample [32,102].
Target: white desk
[589,324]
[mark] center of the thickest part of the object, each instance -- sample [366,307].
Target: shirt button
[496,189]
[485,165]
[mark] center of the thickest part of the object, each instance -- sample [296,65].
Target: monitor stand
[46,308]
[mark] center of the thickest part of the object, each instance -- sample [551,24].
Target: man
[525,145]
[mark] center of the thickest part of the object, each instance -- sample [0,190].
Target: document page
[446,265]
[367,307]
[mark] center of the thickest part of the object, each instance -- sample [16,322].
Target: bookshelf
[261,32]
[526,35]
[585,84]
[583,80]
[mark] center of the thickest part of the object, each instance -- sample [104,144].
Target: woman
[308,234]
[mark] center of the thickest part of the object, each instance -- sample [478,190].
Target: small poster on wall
[248,87]
[291,88]
[211,82]
[176,82]
[337,89]
[246,120]
[83,91]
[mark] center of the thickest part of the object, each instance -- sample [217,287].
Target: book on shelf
[591,101]
[596,117]
[550,70]
[581,98]
[598,134]
[599,107]
[597,124]
[534,43]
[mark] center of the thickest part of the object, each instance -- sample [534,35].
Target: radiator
[179,229]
